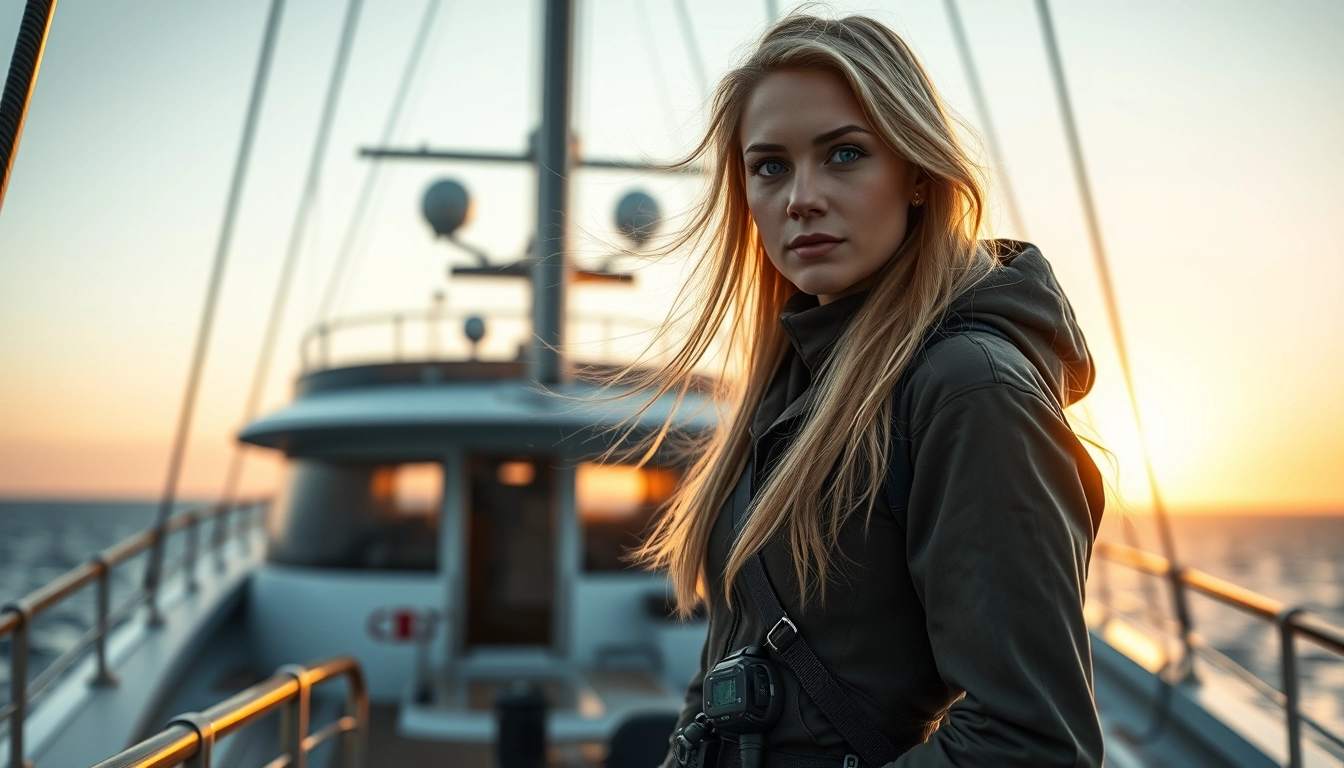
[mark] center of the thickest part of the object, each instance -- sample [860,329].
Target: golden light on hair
[735,295]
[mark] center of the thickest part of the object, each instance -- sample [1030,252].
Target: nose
[806,198]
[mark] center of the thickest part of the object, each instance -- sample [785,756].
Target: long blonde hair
[834,465]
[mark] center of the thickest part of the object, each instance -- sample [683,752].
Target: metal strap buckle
[782,635]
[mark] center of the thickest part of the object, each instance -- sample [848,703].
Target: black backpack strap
[871,745]
[900,472]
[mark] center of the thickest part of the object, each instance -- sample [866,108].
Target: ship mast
[553,153]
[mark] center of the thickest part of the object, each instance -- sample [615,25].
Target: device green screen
[723,692]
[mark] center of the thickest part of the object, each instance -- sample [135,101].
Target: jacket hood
[1022,299]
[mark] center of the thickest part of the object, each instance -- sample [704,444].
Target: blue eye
[846,155]
[768,167]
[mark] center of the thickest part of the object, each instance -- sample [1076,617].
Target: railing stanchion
[294,723]
[220,536]
[192,550]
[324,346]
[357,706]
[1181,606]
[205,735]
[18,681]
[1293,718]
[104,678]
[160,540]
[244,527]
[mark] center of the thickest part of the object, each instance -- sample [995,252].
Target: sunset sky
[1211,131]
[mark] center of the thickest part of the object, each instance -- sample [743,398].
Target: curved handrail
[1291,622]
[16,617]
[1305,623]
[192,736]
[315,343]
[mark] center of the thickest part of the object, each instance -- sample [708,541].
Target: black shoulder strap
[869,743]
[900,472]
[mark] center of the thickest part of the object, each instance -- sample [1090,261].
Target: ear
[922,184]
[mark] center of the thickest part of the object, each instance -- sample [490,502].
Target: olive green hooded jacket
[960,633]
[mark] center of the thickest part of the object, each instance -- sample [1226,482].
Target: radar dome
[637,217]
[446,206]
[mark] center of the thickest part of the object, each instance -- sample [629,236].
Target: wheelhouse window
[359,515]
[617,505]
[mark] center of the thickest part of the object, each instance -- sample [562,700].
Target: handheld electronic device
[743,696]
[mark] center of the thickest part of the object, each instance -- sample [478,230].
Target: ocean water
[1298,560]
[40,540]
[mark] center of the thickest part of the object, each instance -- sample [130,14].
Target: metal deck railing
[16,618]
[441,334]
[1291,622]
[190,739]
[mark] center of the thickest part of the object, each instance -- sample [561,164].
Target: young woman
[875,337]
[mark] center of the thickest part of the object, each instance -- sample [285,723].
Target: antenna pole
[553,154]
[21,81]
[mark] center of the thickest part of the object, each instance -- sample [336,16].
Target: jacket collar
[813,331]
[814,328]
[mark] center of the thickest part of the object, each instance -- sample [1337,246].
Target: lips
[815,245]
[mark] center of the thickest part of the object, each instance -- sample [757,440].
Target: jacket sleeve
[999,535]
[692,705]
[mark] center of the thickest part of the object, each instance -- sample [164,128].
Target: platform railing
[1291,623]
[190,739]
[234,522]
[442,333]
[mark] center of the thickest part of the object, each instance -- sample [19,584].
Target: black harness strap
[871,745]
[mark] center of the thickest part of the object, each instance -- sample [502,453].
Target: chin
[825,280]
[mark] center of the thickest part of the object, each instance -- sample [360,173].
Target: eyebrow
[818,141]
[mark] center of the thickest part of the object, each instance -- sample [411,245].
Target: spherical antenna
[475,329]
[637,217]
[446,207]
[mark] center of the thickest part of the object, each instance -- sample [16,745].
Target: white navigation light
[637,217]
[447,206]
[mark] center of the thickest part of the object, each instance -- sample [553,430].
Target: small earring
[917,201]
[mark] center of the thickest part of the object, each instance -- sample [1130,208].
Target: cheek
[879,214]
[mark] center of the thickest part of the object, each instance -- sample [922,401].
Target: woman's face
[829,197]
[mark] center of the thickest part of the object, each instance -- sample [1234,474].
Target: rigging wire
[1113,315]
[414,99]
[1014,210]
[260,373]
[982,108]
[371,175]
[692,46]
[659,79]
[154,569]
[24,64]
